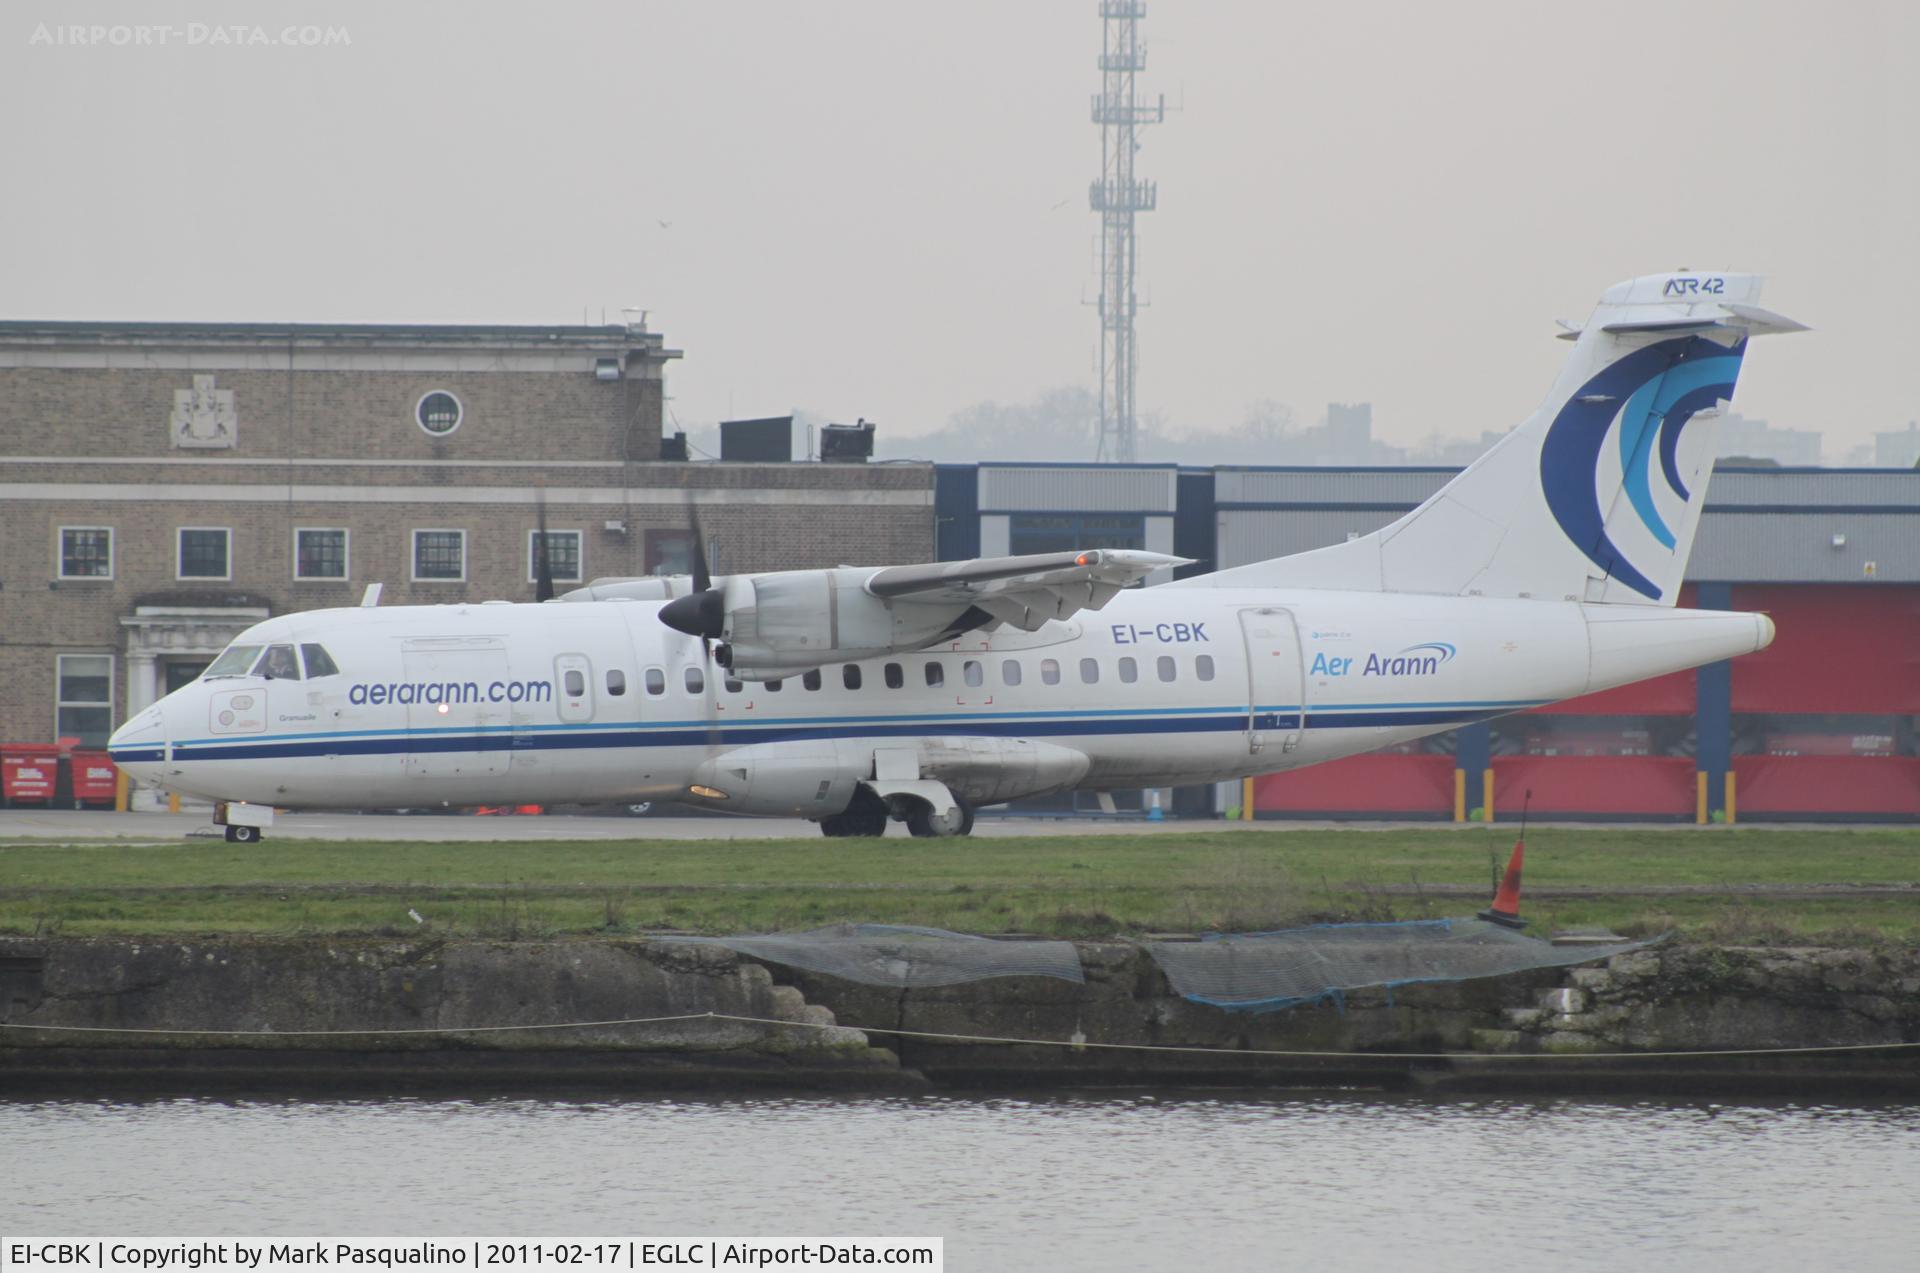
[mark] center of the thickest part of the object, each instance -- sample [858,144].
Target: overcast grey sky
[878,207]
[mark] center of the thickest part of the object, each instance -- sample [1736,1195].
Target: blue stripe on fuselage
[698,733]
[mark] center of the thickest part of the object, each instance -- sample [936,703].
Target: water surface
[1136,1181]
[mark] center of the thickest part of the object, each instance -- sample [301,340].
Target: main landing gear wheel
[866,815]
[924,822]
[243,835]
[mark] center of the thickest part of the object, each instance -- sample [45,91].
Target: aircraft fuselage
[599,701]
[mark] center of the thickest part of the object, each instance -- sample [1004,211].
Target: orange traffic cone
[1505,910]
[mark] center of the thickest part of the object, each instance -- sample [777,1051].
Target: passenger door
[1276,684]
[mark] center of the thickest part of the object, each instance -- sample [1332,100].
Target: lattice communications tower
[1117,196]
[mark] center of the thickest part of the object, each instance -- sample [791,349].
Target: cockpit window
[278,664]
[319,662]
[234,662]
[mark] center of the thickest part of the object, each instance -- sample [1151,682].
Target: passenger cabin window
[1203,666]
[850,676]
[1010,671]
[810,680]
[278,664]
[1129,670]
[235,662]
[696,681]
[319,662]
[1165,666]
[576,682]
[1090,671]
[774,687]
[1049,671]
[732,686]
[656,681]
[936,675]
[616,682]
[972,672]
[896,676]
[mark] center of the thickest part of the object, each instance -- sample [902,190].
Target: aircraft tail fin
[1597,496]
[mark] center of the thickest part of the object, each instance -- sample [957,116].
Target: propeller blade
[702,579]
[542,560]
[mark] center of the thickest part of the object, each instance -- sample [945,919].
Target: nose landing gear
[244,823]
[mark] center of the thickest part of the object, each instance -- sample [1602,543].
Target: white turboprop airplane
[852,696]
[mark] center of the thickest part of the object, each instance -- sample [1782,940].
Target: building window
[86,552]
[439,556]
[203,553]
[83,698]
[1010,671]
[320,554]
[438,412]
[669,552]
[563,555]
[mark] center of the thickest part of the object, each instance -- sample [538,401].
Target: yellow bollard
[1486,795]
[173,802]
[1731,806]
[121,786]
[1246,800]
[1700,798]
[1459,795]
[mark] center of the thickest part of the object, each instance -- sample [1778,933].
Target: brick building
[163,485]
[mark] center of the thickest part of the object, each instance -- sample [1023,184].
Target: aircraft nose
[140,746]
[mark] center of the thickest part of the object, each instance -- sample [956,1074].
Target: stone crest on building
[203,416]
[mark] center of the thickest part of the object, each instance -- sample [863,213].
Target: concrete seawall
[381,1014]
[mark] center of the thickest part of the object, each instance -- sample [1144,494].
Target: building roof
[92,332]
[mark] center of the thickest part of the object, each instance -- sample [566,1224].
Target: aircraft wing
[1024,591]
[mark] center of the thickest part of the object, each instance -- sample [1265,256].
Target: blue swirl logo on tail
[1663,386]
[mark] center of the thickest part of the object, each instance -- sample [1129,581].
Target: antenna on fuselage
[371,597]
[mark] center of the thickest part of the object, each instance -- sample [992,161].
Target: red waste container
[94,775]
[28,771]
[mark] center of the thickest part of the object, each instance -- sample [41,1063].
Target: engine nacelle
[787,622]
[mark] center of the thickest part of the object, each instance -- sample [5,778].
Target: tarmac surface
[77,825]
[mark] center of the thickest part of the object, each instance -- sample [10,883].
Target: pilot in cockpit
[280,664]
